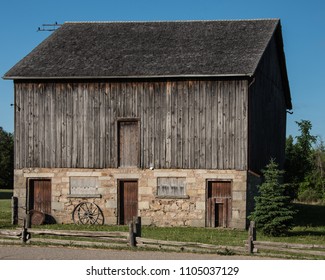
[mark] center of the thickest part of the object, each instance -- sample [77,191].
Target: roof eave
[128,77]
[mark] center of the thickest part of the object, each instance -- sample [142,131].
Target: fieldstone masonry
[189,210]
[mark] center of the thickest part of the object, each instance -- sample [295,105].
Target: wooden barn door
[218,204]
[128,201]
[40,195]
[128,143]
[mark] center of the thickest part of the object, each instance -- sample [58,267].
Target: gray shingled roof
[148,49]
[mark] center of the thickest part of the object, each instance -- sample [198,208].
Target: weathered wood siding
[183,124]
[267,112]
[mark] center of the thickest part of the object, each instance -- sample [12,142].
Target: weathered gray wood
[287,250]
[151,123]
[11,233]
[251,237]
[131,235]
[173,125]
[79,233]
[183,124]
[289,245]
[252,230]
[78,243]
[168,128]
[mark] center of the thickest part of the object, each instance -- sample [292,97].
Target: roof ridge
[171,21]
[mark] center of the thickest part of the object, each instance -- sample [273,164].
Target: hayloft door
[128,143]
[218,204]
[40,195]
[128,201]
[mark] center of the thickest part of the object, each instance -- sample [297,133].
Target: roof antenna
[49,27]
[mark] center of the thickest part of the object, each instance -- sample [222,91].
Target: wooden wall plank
[214,124]
[168,125]
[179,149]
[183,124]
[173,125]
[208,123]
[202,123]
[157,134]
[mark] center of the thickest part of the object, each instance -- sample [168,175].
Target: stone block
[239,186]
[84,174]
[238,195]
[190,180]
[57,206]
[65,180]
[170,174]
[110,220]
[200,205]
[146,221]
[105,178]
[127,176]
[152,183]
[144,190]
[112,204]
[235,214]
[38,175]
[143,205]
[197,223]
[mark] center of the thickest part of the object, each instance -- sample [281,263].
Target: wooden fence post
[14,212]
[251,237]
[28,221]
[131,234]
[137,226]
[24,232]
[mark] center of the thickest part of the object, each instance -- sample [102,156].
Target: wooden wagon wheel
[87,213]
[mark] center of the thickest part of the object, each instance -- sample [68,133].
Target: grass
[225,237]
[5,208]
[309,228]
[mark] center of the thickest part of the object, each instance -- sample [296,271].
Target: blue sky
[303,25]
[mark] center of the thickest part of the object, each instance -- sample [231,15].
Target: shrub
[273,212]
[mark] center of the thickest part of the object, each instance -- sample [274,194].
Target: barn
[171,121]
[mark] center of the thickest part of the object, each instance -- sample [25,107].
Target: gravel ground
[64,253]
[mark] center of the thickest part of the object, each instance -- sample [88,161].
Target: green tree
[312,188]
[6,159]
[299,161]
[273,212]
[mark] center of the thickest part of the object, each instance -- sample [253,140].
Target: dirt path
[60,253]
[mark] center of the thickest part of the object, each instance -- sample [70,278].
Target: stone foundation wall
[159,211]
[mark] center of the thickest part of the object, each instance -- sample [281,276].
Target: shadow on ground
[5,194]
[310,215]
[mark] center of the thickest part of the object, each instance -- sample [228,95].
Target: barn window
[84,187]
[171,187]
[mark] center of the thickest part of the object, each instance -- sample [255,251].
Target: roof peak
[172,21]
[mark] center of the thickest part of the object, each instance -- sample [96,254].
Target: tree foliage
[305,164]
[6,159]
[273,213]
